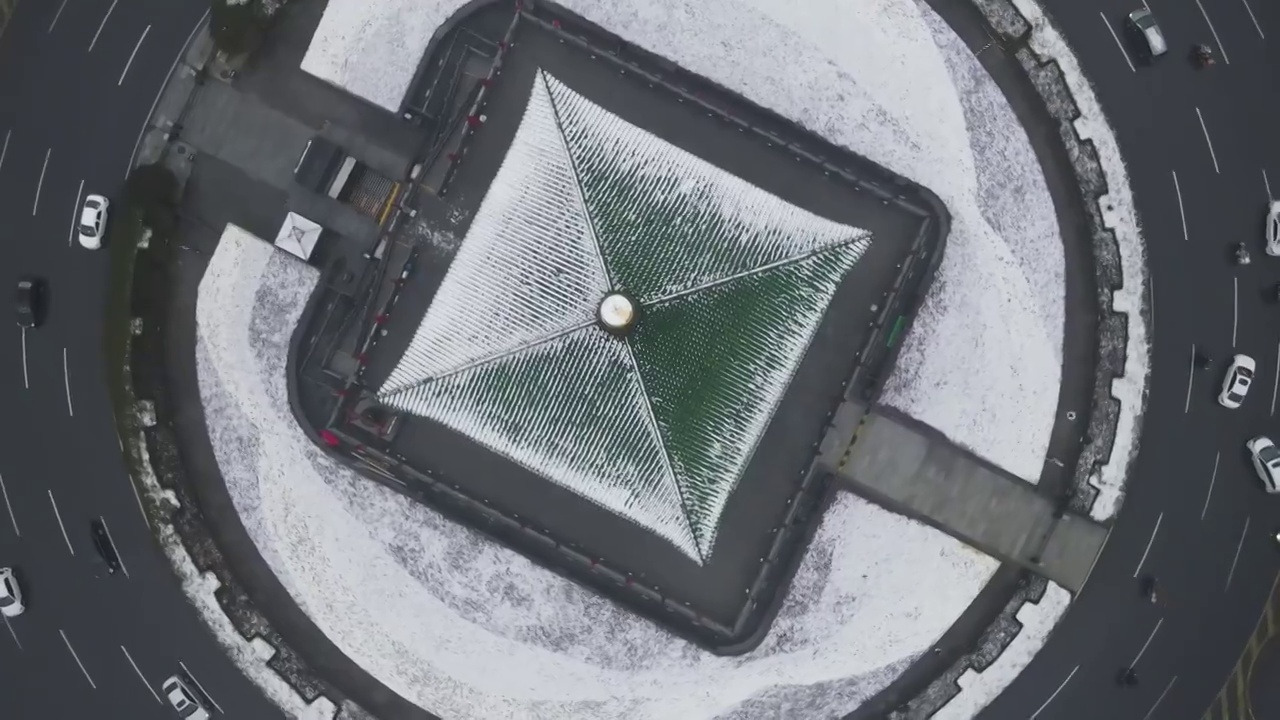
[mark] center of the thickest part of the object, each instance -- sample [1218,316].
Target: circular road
[77,81]
[1203,153]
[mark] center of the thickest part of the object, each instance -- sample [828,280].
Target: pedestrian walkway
[1233,701]
[914,470]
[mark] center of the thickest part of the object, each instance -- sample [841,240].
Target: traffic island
[765,272]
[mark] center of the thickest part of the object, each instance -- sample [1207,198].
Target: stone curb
[1014,35]
[156,144]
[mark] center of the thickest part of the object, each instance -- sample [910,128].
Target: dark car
[29,299]
[102,543]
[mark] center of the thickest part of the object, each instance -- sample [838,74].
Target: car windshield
[1244,373]
[88,230]
[1234,396]
[6,601]
[1144,20]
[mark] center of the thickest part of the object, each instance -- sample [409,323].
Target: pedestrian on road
[1128,677]
[1203,361]
[1150,589]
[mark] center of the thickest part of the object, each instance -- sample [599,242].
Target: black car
[29,299]
[102,543]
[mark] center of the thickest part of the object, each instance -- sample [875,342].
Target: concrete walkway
[914,470]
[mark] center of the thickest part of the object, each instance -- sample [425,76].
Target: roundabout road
[73,95]
[1201,147]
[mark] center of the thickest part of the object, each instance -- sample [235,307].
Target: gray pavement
[914,470]
[245,132]
[273,76]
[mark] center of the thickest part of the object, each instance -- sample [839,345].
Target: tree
[152,191]
[237,26]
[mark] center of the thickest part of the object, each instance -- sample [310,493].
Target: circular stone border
[1007,29]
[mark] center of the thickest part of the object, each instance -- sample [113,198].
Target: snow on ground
[372,48]
[836,68]
[470,630]
[1119,214]
[978,689]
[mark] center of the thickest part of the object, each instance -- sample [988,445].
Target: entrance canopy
[298,235]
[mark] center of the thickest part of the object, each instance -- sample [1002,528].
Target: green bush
[238,27]
[151,193]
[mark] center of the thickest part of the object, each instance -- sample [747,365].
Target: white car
[183,699]
[10,594]
[93,221]
[1273,228]
[1266,460]
[1236,384]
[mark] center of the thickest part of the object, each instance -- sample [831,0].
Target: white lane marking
[1070,675]
[1181,213]
[1275,385]
[1267,184]
[1236,559]
[141,677]
[202,690]
[58,515]
[57,15]
[150,113]
[1254,19]
[1205,130]
[26,382]
[1167,688]
[132,55]
[11,632]
[102,25]
[75,215]
[113,544]
[66,380]
[1191,379]
[1149,542]
[1235,309]
[1148,642]
[1216,40]
[77,659]
[5,150]
[1212,479]
[35,206]
[1118,43]
[4,491]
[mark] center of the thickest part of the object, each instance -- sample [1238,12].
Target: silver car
[10,594]
[184,699]
[1151,44]
[1266,460]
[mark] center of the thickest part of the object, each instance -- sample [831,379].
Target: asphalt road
[74,95]
[1202,148]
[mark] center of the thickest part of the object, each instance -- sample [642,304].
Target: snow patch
[250,656]
[372,48]
[978,689]
[1120,216]
[468,629]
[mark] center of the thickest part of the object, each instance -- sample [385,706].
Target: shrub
[237,26]
[151,191]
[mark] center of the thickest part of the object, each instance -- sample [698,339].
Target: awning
[298,235]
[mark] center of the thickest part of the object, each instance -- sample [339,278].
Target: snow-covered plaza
[467,629]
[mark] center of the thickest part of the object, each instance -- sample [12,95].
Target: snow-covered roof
[731,282]
[298,235]
[371,48]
